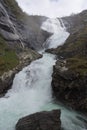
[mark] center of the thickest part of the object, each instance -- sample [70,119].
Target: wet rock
[40,121]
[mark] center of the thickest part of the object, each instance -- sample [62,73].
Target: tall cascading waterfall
[31,90]
[59,33]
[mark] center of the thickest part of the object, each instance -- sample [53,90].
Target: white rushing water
[31,90]
[59,32]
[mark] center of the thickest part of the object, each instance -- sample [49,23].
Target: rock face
[40,121]
[76,22]
[70,86]
[6,26]
[69,81]
[18,27]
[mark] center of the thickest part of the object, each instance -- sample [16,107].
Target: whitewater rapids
[31,90]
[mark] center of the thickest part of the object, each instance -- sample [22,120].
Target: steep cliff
[16,25]
[70,72]
[18,33]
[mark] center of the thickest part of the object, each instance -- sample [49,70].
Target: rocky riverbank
[70,85]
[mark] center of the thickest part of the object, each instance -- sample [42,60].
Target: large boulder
[40,121]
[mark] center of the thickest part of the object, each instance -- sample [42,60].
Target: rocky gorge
[23,39]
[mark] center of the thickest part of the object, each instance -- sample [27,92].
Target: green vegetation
[78,65]
[75,50]
[15,9]
[8,57]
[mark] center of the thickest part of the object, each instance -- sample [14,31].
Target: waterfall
[59,32]
[31,90]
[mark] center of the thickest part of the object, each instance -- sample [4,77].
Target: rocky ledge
[40,121]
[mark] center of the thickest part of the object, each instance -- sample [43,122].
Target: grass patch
[8,57]
[78,65]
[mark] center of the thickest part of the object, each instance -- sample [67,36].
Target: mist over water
[31,91]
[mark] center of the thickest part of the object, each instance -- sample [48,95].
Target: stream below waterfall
[31,90]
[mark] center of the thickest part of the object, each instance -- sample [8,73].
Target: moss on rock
[77,64]
[8,57]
